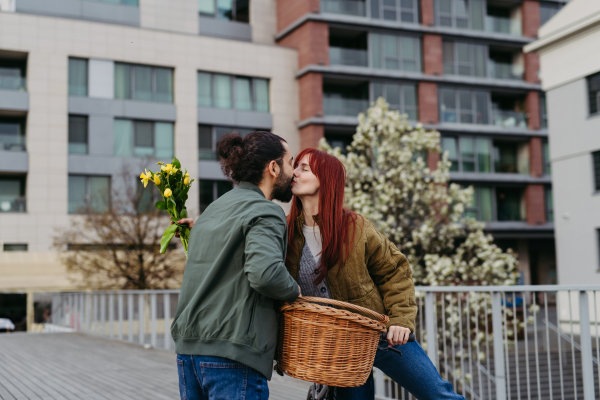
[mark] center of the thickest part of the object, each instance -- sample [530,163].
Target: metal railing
[503,71]
[344,56]
[343,106]
[345,7]
[503,25]
[490,342]
[12,204]
[133,3]
[12,142]
[11,82]
[509,119]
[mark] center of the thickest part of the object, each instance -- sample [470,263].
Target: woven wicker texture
[327,345]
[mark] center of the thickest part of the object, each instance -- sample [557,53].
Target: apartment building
[90,88]
[456,66]
[570,69]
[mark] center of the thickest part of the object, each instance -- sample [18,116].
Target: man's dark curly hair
[245,159]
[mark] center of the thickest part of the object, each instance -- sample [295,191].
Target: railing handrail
[515,288]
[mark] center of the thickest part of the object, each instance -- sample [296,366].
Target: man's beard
[282,190]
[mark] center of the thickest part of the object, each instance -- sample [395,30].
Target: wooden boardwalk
[70,366]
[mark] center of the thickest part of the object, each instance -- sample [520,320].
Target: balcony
[12,142]
[11,80]
[504,71]
[348,47]
[12,194]
[509,119]
[505,20]
[351,57]
[344,7]
[12,204]
[343,106]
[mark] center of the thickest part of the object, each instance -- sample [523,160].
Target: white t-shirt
[312,234]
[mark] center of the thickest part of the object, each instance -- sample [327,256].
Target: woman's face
[305,182]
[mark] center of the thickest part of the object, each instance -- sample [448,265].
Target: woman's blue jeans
[412,370]
[216,378]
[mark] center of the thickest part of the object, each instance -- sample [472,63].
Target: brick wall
[428,103]
[312,42]
[535,205]
[311,95]
[289,11]
[536,157]
[432,55]
[427,13]
[310,136]
[530,13]
[533,110]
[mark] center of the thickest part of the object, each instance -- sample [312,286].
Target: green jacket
[376,274]
[234,273]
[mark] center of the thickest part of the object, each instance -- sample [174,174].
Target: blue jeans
[412,370]
[216,378]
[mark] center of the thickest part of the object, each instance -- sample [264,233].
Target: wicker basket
[326,345]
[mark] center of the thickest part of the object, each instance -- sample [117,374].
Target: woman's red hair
[333,218]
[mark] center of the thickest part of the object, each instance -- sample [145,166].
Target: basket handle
[375,315]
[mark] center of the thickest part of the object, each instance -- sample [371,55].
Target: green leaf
[161,205]
[184,213]
[166,238]
[176,163]
[172,206]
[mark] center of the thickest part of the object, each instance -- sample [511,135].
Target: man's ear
[273,169]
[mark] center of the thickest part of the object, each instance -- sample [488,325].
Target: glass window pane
[78,134]
[448,57]
[465,99]
[460,8]
[406,16]
[479,54]
[222,91]
[448,106]
[77,193]
[549,205]
[242,11]
[164,85]
[377,91]
[78,77]
[481,107]
[463,52]
[122,81]
[508,201]
[261,95]
[390,46]
[206,6]
[221,131]
[99,193]
[123,137]
[486,205]
[143,139]
[484,155]
[467,148]
[409,47]
[392,64]
[223,187]
[204,89]
[243,94]
[205,137]
[477,12]
[142,83]
[389,15]
[206,193]
[225,10]
[164,140]
[410,95]
[375,47]
[445,6]
[449,144]
[392,93]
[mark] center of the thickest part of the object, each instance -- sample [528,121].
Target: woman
[336,253]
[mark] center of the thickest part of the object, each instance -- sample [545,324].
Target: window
[511,157]
[395,52]
[211,190]
[345,99]
[482,205]
[546,155]
[229,10]
[464,106]
[464,59]
[549,204]
[227,91]
[144,83]
[78,134]
[143,138]
[594,93]
[548,10]
[468,154]
[12,134]
[209,136]
[12,194]
[460,14]
[598,244]
[15,247]
[78,77]
[12,74]
[596,158]
[543,112]
[88,193]
[510,204]
[395,10]
[401,97]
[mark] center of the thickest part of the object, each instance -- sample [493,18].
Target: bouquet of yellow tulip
[173,186]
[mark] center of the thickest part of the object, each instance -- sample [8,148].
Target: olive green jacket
[376,274]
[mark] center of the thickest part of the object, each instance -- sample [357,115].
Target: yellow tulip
[145,177]
[168,192]
[186,180]
[156,180]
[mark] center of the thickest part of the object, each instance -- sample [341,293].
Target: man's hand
[397,335]
[190,222]
[299,291]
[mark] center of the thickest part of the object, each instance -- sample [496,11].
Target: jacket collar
[300,220]
[251,186]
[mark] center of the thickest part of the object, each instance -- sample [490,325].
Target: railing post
[430,328]
[587,368]
[497,330]
[167,316]
[141,330]
[103,314]
[120,312]
[111,315]
[94,314]
[130,317]
[153,320]
[379,383]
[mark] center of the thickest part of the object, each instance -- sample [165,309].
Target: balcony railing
[207,155]
[346,7]
[133,3]
[503,25]
[503,71]
[12,204]
[12,142]
[343,56]
[9,82]
[344,107]
[509,119]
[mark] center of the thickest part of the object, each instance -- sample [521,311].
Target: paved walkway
[71,366]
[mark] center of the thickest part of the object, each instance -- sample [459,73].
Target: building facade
[570,69]
[456,66]
[91,88]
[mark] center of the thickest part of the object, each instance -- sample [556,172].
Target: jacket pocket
[267,330]
[372,300]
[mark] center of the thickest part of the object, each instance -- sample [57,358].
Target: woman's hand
[190,222]
[397,335]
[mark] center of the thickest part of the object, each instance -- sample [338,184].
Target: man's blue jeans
[412,370]
[216,378]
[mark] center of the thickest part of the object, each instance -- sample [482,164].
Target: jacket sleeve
[391,272]
[264,257]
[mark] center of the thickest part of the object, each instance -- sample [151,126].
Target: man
[225,328]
